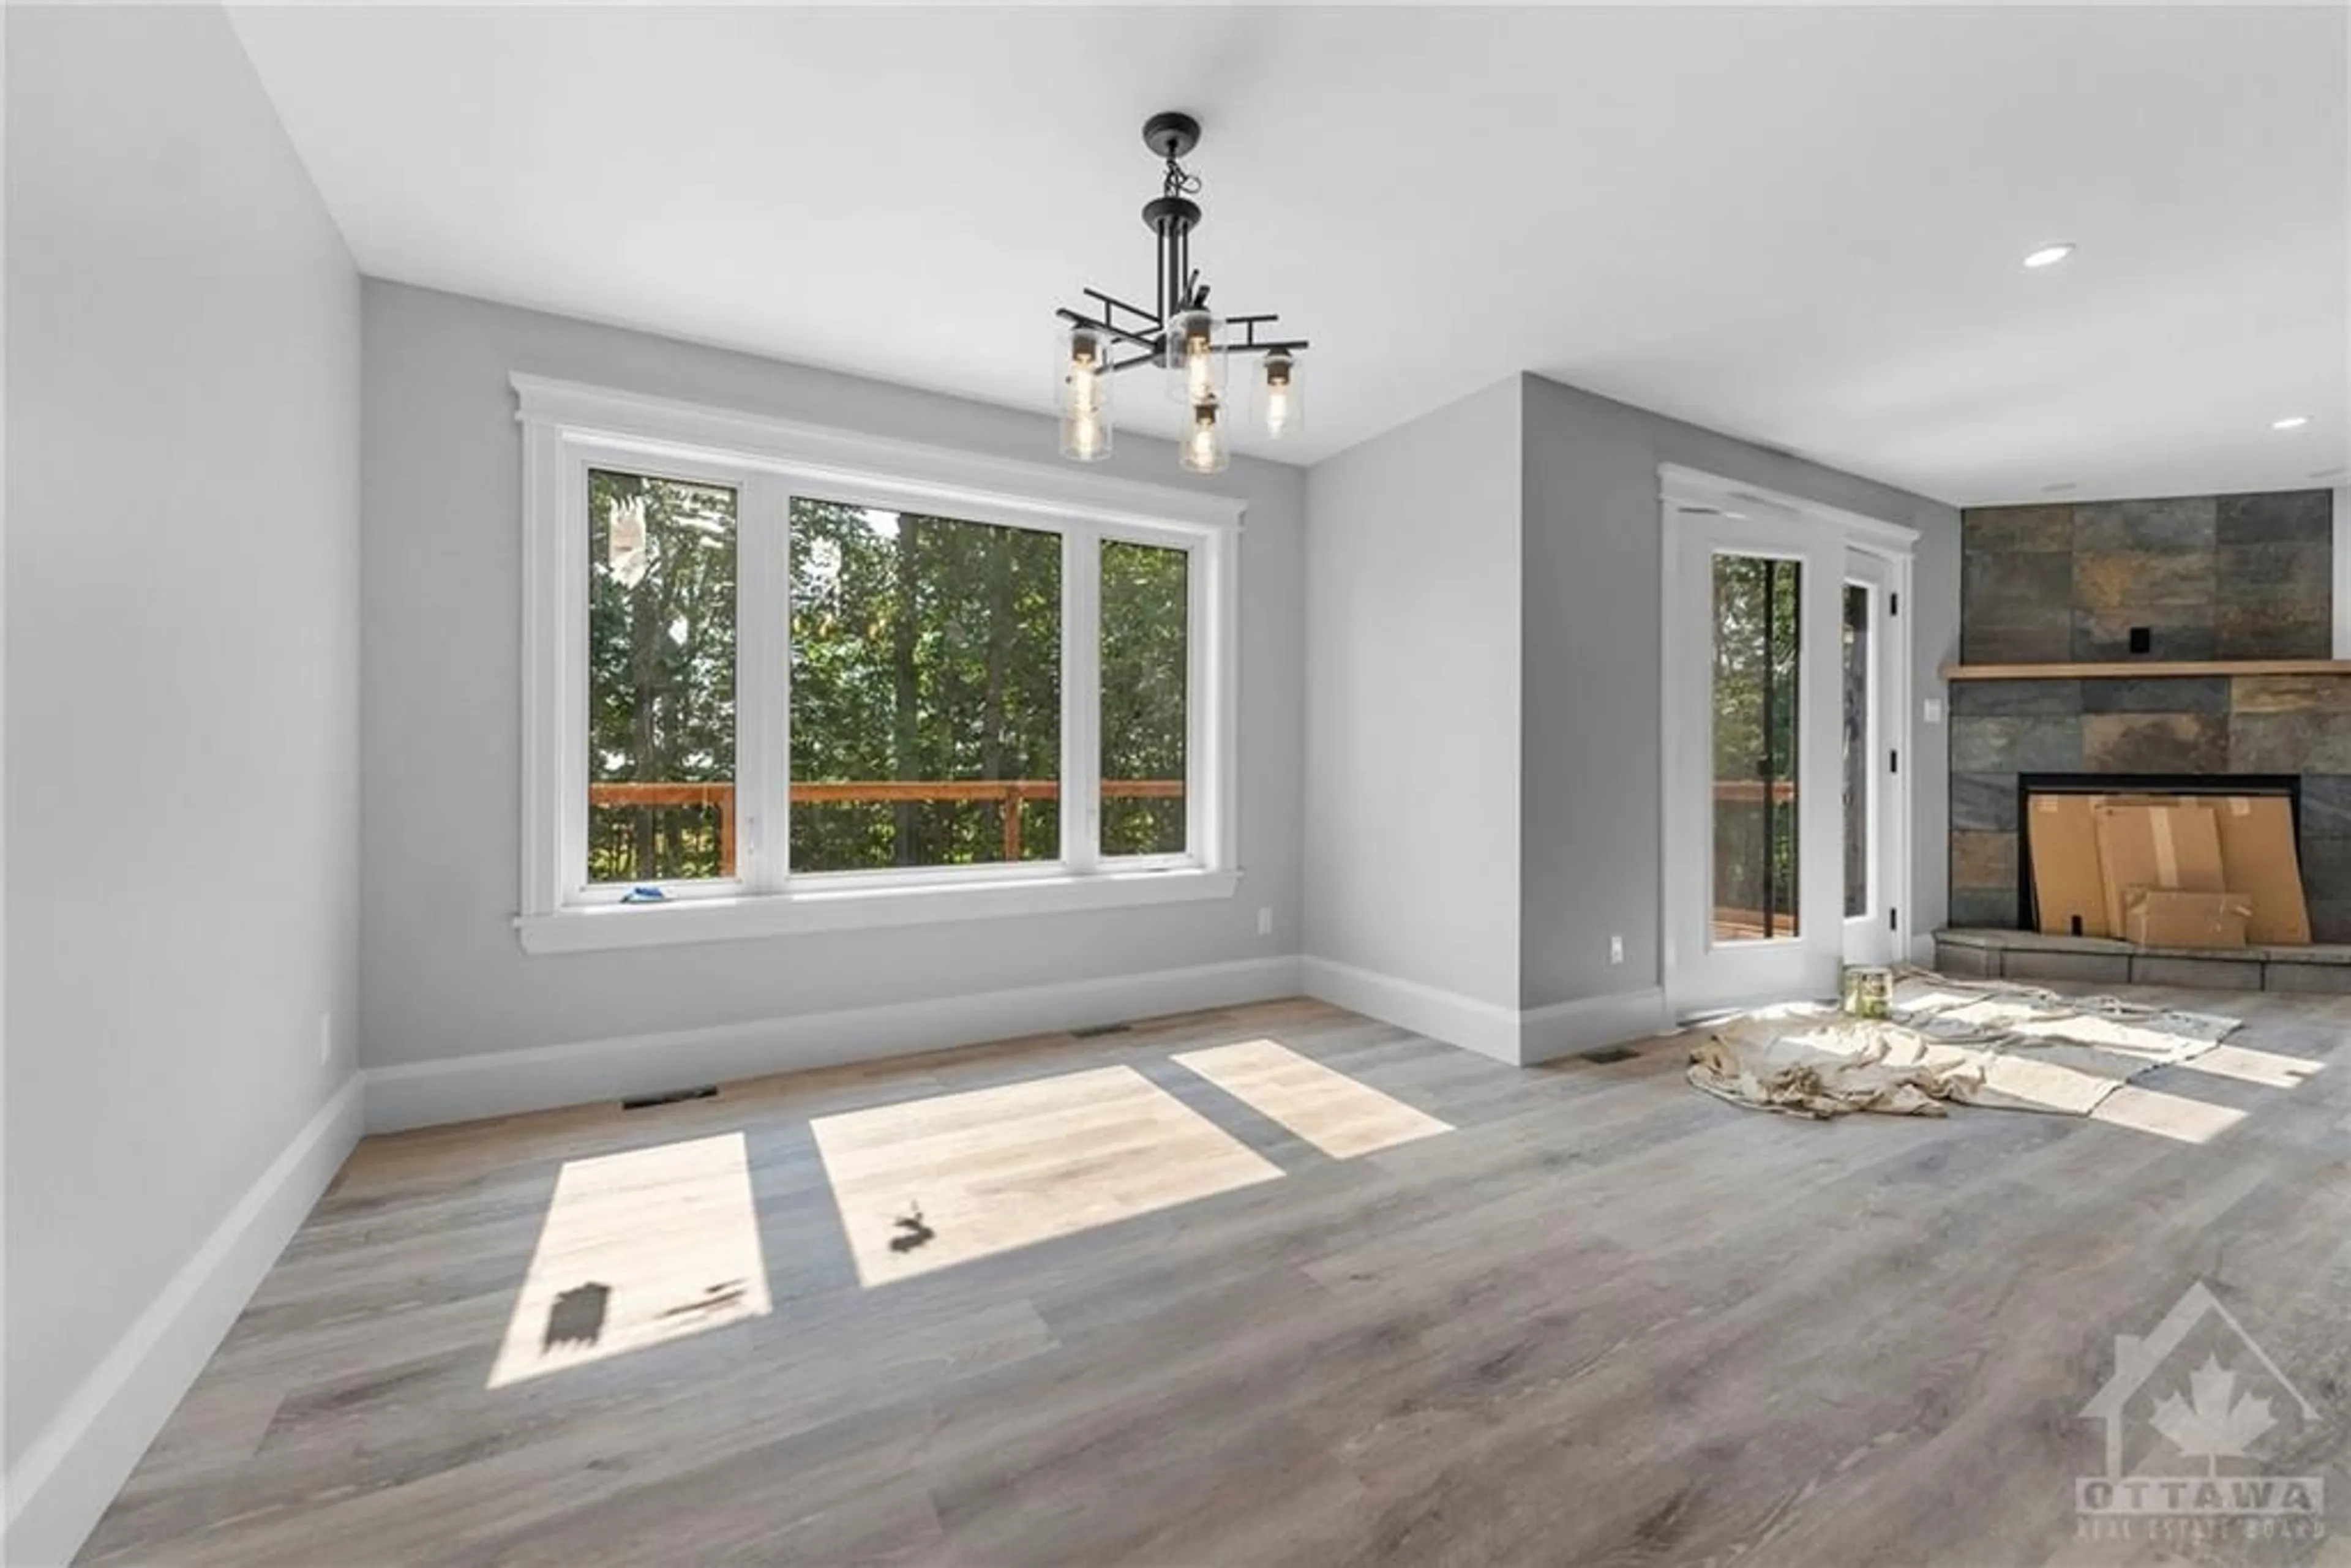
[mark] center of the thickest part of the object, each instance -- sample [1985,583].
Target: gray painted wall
[1593,595]
[183,664]
[1412,711]
[441,973]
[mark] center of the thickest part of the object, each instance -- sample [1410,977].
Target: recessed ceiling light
[2060,488]
[2049,254]
[2291,422]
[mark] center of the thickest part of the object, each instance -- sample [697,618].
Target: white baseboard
[500,1083]
[75,1465]
[1487,1028]
[1592,1023]
[1521,1037]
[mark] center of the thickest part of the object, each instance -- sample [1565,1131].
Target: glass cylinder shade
[1282,401]
[1196,367]
[1203,446]
[1082,396]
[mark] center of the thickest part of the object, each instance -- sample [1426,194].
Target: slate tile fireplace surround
[2197,578]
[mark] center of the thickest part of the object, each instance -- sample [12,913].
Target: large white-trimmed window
[783,678]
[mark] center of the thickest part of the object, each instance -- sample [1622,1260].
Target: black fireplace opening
[2028,908]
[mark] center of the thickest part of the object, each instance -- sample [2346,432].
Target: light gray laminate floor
[1603,1318]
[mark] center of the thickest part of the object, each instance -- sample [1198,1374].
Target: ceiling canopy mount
[1171,133]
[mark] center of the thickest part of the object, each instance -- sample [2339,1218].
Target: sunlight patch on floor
[2248,1065]
[926,1184]
[638,1249]
[1329,1110]
[2171,1116]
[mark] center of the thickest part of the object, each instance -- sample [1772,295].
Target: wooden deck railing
[1749,791]
[1009,793]
[1740,875]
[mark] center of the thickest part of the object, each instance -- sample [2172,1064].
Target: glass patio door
[1754,833]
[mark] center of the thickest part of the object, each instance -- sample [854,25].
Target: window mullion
[1081,698]
[763,684]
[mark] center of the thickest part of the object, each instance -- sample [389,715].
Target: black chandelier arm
[1079,317]
[1150,356]
[1115,303]
[1150,342]
[1248,326]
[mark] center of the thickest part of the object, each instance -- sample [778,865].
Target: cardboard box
[2170,917]
[2166,848]
[2067,891]
[2258,861]
[2074,896]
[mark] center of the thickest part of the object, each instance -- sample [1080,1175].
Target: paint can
[1868,992]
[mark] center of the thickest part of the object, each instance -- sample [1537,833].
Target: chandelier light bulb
[1085,366]
[1284,402]
[1204,443]
[1196,367]
[1199,367]
[1084,394]
[1084,438]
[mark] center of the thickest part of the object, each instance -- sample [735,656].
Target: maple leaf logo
[2214,1421]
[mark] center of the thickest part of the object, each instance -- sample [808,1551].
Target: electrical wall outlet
[326,1038]
[1265,921]
[1615,950]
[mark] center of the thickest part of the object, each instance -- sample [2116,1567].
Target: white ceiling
[1798,226]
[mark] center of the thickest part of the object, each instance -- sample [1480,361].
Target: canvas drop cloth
[1996,1045]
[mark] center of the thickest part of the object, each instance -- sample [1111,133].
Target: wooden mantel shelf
[2147,669]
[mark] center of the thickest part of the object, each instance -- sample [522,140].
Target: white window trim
[568,427]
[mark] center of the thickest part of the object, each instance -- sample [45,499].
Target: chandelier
[1188,343]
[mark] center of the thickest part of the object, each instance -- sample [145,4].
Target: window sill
[590,929]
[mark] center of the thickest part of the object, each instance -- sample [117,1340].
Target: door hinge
[1894,761]
[1892,604]
[1893,918]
